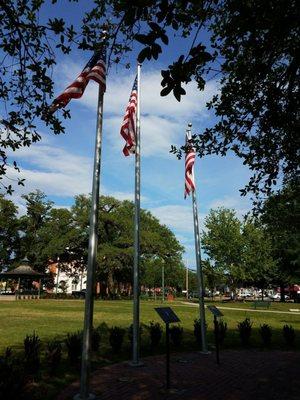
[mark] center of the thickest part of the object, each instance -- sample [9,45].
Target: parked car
[246,294]
[277,296]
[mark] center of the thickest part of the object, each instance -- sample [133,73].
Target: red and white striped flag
[128,128]
[95,69]
[189,168]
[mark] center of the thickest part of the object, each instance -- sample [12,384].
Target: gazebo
[21,273]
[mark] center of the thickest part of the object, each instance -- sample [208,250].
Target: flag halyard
[128,128]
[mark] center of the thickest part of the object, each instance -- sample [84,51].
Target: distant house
[67,278]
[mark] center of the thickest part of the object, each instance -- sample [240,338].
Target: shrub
[245,328]
[32,353]
[176,334]
[222,331]
[289,335]
[266,334]
[11,376]
[95,339]
[197,331]
[116,337]
[155,331]
[53,355]
[74,346]
[130,332]
[103,328]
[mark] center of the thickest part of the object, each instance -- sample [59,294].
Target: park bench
[261,304]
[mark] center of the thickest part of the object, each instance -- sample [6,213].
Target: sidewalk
[245,309]
[242,375]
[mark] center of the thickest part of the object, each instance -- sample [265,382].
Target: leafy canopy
[251,47]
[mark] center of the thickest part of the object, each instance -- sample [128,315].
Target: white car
[277,296]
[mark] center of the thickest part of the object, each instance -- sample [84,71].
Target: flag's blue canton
[134,87]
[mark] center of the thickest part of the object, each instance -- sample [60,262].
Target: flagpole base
[136,364]
[90,396]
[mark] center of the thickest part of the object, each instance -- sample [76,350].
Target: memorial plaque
[167,315]
[215,311]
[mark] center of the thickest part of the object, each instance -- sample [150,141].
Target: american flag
[189,167]
[128,128]
[95,69]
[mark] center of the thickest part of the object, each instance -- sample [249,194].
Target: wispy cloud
[241,205]
[163,119]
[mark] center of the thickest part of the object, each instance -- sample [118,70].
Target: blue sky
[61,166]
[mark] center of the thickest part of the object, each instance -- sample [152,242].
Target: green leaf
[165,91]
[145,53]
[144,39]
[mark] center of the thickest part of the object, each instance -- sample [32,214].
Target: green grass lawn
[55,318]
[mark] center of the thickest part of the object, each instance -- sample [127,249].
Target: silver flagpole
[136,266]
[92,254]
[198,262]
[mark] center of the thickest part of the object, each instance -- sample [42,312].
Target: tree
[252,48]
[46,233]
[242,251]
[31,225]
[257,256]
[9,235]
[280,215]
[222,242]
[213,275]
[115,247]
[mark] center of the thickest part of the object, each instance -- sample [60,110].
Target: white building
[67,278]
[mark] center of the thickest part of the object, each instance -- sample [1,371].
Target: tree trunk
[110,283]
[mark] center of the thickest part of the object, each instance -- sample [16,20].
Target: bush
[95,339]
[155,331]
[197,331]
[289,335]
[130,332]
[176,333]
[32,353]
[74,346]
[266,334]
[103,328]
[11,376]
[222,331]
[53,355]
[245,328]
[116,337]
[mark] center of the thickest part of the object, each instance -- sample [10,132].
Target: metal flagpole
[92,253]
[187,280]
[198,262]
[136,266]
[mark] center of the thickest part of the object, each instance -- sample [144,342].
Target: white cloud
[179,218]
[53,170]
[163,119]
[241,205]
[56,172]
[157,135]
[118,90]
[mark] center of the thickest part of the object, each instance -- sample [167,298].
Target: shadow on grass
[45,386]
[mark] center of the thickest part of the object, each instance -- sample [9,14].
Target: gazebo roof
[21,271]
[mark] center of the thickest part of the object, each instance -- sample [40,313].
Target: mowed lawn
[55,318]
